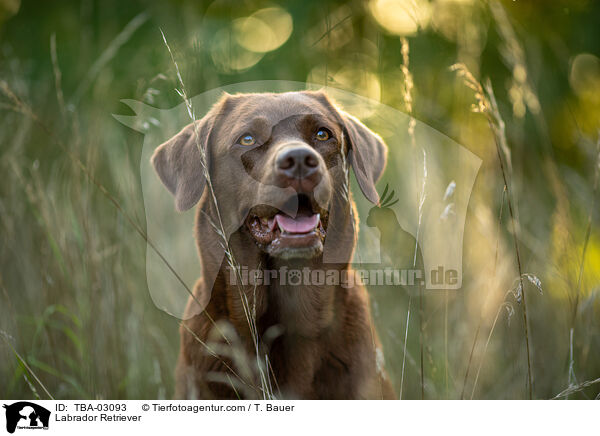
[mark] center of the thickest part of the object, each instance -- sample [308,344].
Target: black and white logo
[26,415]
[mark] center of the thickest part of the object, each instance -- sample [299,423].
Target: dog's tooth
[272,223]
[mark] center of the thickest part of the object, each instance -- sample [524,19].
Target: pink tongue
[300,224]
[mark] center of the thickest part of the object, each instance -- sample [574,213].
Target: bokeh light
[585,76]
[401,17]
[228,56]
[263,31]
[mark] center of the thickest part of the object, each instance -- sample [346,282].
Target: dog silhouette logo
[26,415]
[430,175]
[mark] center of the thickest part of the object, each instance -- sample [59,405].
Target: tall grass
[486,104]
[261,359]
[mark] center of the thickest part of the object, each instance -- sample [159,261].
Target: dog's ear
[179,165]
[367,154]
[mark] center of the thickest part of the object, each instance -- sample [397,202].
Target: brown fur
[320,340]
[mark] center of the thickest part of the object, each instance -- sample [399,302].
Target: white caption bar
[297,417]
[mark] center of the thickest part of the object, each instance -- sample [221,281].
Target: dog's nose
[298,166]
[297,162]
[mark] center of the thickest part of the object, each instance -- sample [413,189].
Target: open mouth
[284,236]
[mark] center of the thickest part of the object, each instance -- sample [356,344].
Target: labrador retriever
[269,173]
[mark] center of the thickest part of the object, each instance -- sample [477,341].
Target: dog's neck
[306,306]
[304,302]
[299,296]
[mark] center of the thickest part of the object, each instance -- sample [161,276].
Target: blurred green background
[74,305]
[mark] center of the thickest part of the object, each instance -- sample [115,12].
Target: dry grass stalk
[219,229]
[408,103]
[572,380]
[23,108]
[576,388]
[24,363]
[486,105]
[487,297]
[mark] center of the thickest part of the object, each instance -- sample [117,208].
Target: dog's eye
[247,140]
[323,135]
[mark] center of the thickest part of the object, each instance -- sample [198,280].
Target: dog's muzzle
[300,167]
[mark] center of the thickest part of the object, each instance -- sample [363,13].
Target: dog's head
[276,163]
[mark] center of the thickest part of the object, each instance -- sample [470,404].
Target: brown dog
[278,165]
